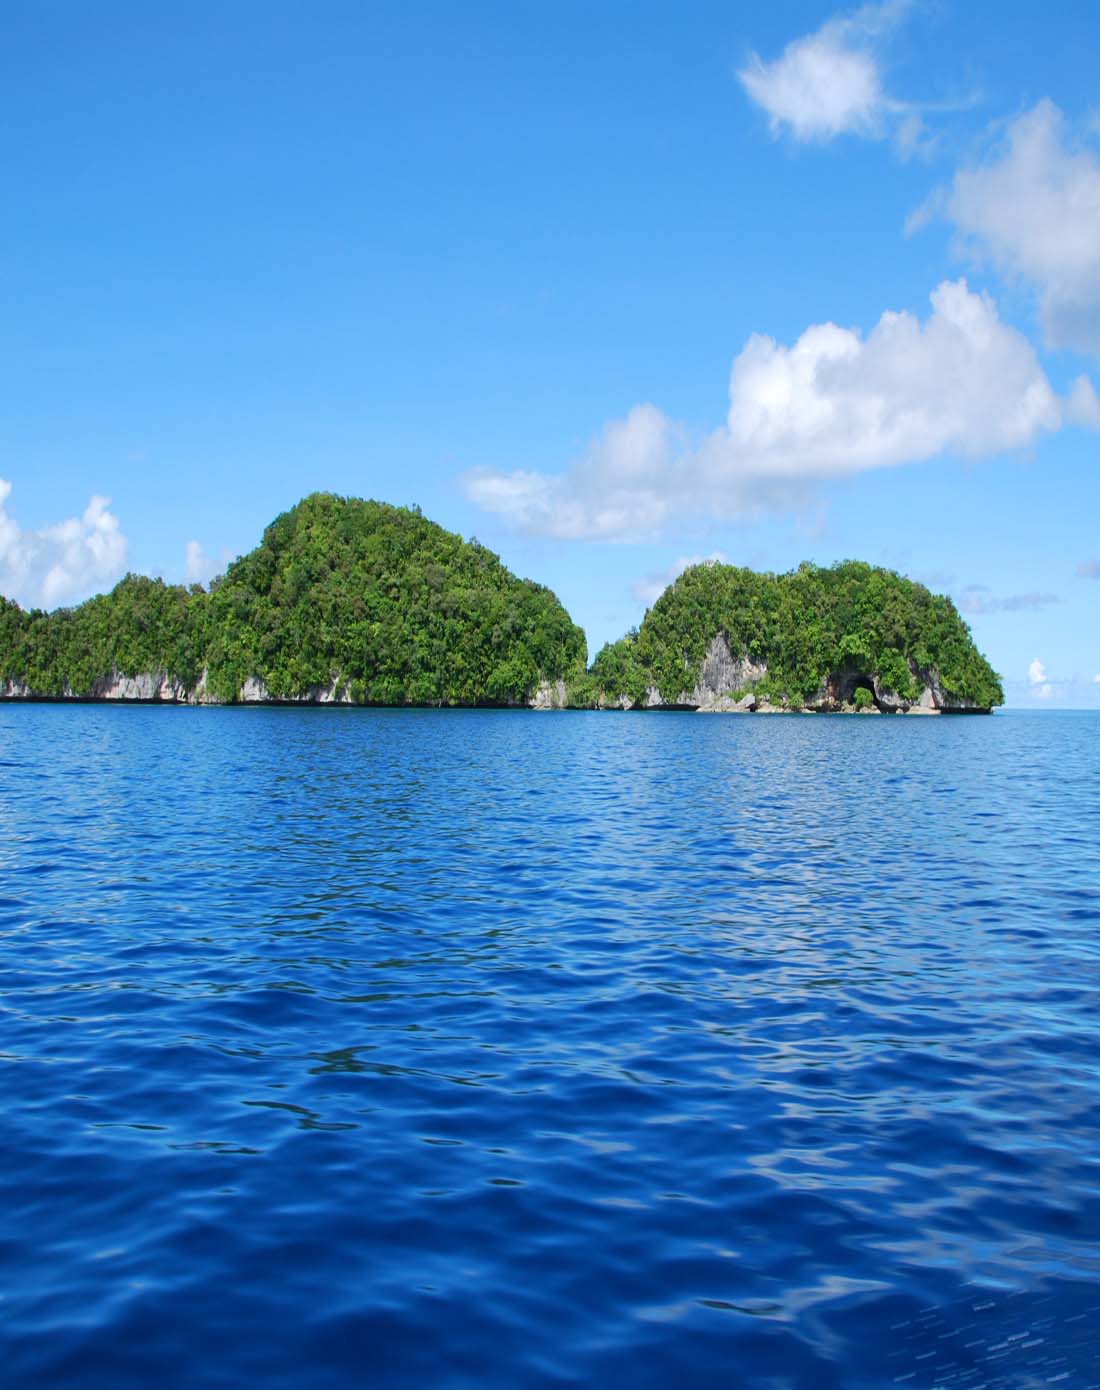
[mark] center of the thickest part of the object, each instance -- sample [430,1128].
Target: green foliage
[376,597]
[399,611]
[806,626]
[863,699]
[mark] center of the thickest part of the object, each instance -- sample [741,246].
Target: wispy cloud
[651,586]
[618,490]
[1089,569]
[830,83]
[832,404]
[1031,206]
[65,561]
[199,567]
[976,599]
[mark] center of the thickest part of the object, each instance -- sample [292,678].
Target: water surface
[472,1049]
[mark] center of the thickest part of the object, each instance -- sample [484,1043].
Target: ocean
[475,1049]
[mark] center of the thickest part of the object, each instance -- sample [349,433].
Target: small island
[357,602]
[849,638]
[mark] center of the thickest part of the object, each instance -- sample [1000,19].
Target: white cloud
[200,568]
[1036,672]
[61,562]
[829,83]
[832,404]
[836,403]
[1067,692]
[618,491]
[819,87]
[1033,208]
[649,589]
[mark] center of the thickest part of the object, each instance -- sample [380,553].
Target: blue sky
[603,285]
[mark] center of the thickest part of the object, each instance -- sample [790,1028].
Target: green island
[354,602]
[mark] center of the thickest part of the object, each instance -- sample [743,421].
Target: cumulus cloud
[976,599]
[832,404]
[650,587]
[837,403]
[1041,686]
[1096,679]
[65,561]
[1032,207]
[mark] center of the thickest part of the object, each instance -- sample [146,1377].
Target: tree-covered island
[347,601]
[846,637]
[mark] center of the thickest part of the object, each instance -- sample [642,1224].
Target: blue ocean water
[472,1049]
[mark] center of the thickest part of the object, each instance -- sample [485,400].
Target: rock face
[157,687]
[725,704]
[549,695]
[722,676]
[723,686]
[151,685]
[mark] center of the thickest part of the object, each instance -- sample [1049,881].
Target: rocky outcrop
[837,695]
[549,695]
[723,685]
[621,702]
[726,704]
[158,687]
[723,675]
[149,686]
[726,685]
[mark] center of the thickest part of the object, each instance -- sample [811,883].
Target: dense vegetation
[396,610]
[806,627]
[394,607]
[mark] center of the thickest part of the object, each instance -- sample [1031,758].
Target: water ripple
[479,1049]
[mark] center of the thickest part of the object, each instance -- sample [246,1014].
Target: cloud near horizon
[975,599]
[65,561]
[1032,208]
[832,404]
[200,568]
[1042,687]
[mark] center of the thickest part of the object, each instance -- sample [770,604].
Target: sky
[612,287]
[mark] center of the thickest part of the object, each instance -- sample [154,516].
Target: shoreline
[763,711]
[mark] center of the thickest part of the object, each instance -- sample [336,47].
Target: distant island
[354,602]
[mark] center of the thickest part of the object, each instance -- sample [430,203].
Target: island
[848,638]
[358,602]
